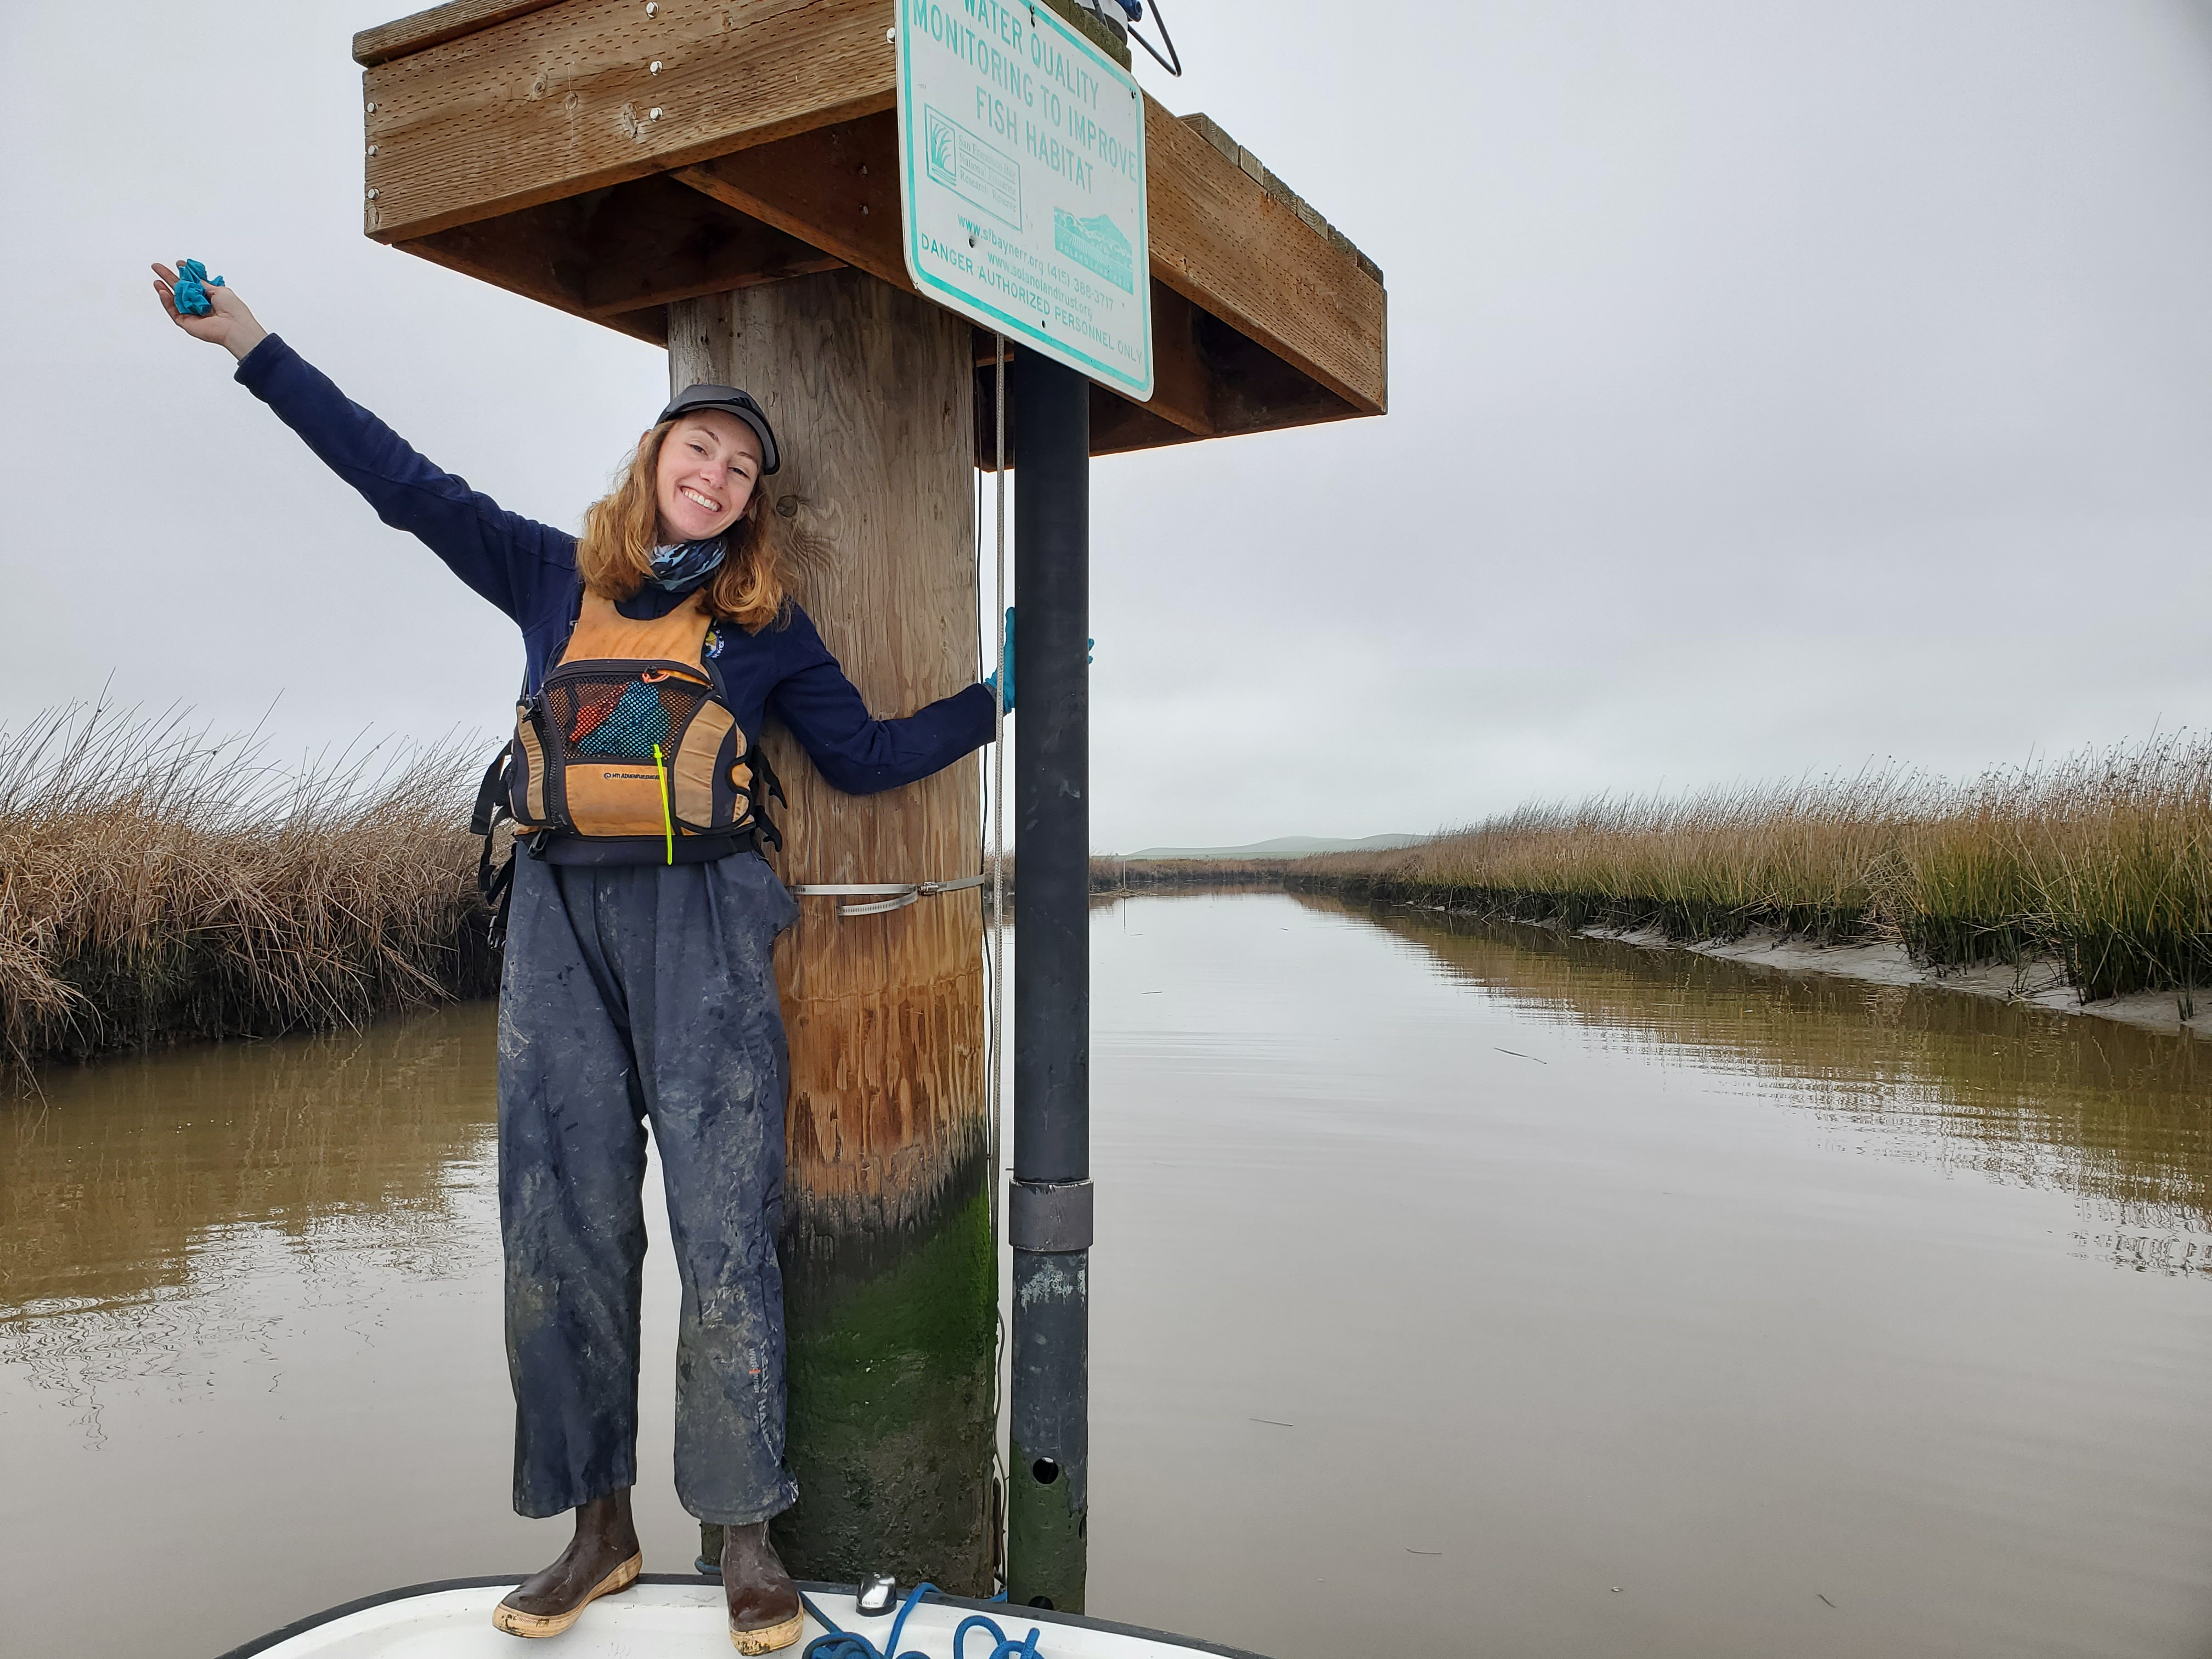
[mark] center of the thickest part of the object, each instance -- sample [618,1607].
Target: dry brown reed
[2103,859]
[155,883]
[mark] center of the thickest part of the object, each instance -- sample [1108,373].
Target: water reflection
[134,1191]
[2120,1116]
[1385,1315]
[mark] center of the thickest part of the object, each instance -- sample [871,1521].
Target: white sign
[1021,173]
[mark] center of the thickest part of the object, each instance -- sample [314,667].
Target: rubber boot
[601,1558]
[764,1610]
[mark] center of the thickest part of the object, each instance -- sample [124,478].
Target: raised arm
[857,752]
[517,563]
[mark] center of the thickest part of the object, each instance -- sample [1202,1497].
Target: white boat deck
[684,1618]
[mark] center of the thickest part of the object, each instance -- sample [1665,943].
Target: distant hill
[1283,846]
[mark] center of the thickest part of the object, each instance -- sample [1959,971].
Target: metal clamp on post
[903,893]
[1049,1216]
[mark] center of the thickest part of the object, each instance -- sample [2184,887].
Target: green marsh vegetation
[2102,860]
[156,884]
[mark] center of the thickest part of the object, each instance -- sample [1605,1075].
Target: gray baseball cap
[730,401]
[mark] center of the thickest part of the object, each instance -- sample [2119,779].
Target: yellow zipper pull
[667,810]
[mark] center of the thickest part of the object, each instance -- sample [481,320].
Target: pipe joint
[1049,1216]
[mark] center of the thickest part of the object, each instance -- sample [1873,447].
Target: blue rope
[851,1644]
[1004,1648]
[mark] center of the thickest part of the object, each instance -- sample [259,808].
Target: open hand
[229,325]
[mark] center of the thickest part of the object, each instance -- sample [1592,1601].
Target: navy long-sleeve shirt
[528,570]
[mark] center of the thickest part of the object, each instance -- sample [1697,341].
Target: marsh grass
[155,883]
[2103,858]
[1118,875]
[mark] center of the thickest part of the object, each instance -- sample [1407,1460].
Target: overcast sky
[1774,386]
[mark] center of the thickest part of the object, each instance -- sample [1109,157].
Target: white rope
[996,1014]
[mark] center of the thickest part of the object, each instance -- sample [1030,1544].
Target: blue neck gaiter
[687,563]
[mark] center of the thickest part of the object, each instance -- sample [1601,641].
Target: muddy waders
[633,994]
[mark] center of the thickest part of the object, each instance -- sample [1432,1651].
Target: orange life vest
[628,753]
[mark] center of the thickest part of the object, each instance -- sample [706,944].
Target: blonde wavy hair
[614,555]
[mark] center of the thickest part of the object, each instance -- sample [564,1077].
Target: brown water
[1455,1291]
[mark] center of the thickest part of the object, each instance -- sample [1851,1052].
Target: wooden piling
[890,1278]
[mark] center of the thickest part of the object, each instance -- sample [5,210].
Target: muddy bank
[2101,859]
[2038,982]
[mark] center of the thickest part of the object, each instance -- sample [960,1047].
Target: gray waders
[634,994]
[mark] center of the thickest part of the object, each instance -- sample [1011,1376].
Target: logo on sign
[1097,245]
[974,167]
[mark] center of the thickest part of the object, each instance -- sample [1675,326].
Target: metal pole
[1049,1207]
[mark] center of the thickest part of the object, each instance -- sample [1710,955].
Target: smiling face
[709,463]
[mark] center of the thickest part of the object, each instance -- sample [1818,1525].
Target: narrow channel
[1459,1287]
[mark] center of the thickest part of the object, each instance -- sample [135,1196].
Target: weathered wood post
[890,1282]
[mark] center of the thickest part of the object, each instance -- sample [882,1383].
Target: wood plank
[540,254]
[434,26]
[559,100]
[653,240]
[1221,239]
[1255,390]
[618,255]
[1182,384]
[835,186]
[1118,426]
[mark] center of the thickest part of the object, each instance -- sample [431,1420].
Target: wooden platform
[607,157]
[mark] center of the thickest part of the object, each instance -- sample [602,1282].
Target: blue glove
[192,284]
[991,680]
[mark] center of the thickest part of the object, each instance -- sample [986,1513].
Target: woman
[637,982]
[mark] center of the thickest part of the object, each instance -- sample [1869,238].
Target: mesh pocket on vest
[622,717]
[606,719]
[638,723]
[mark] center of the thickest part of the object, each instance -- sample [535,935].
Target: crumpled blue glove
[991,680]
[192,284]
